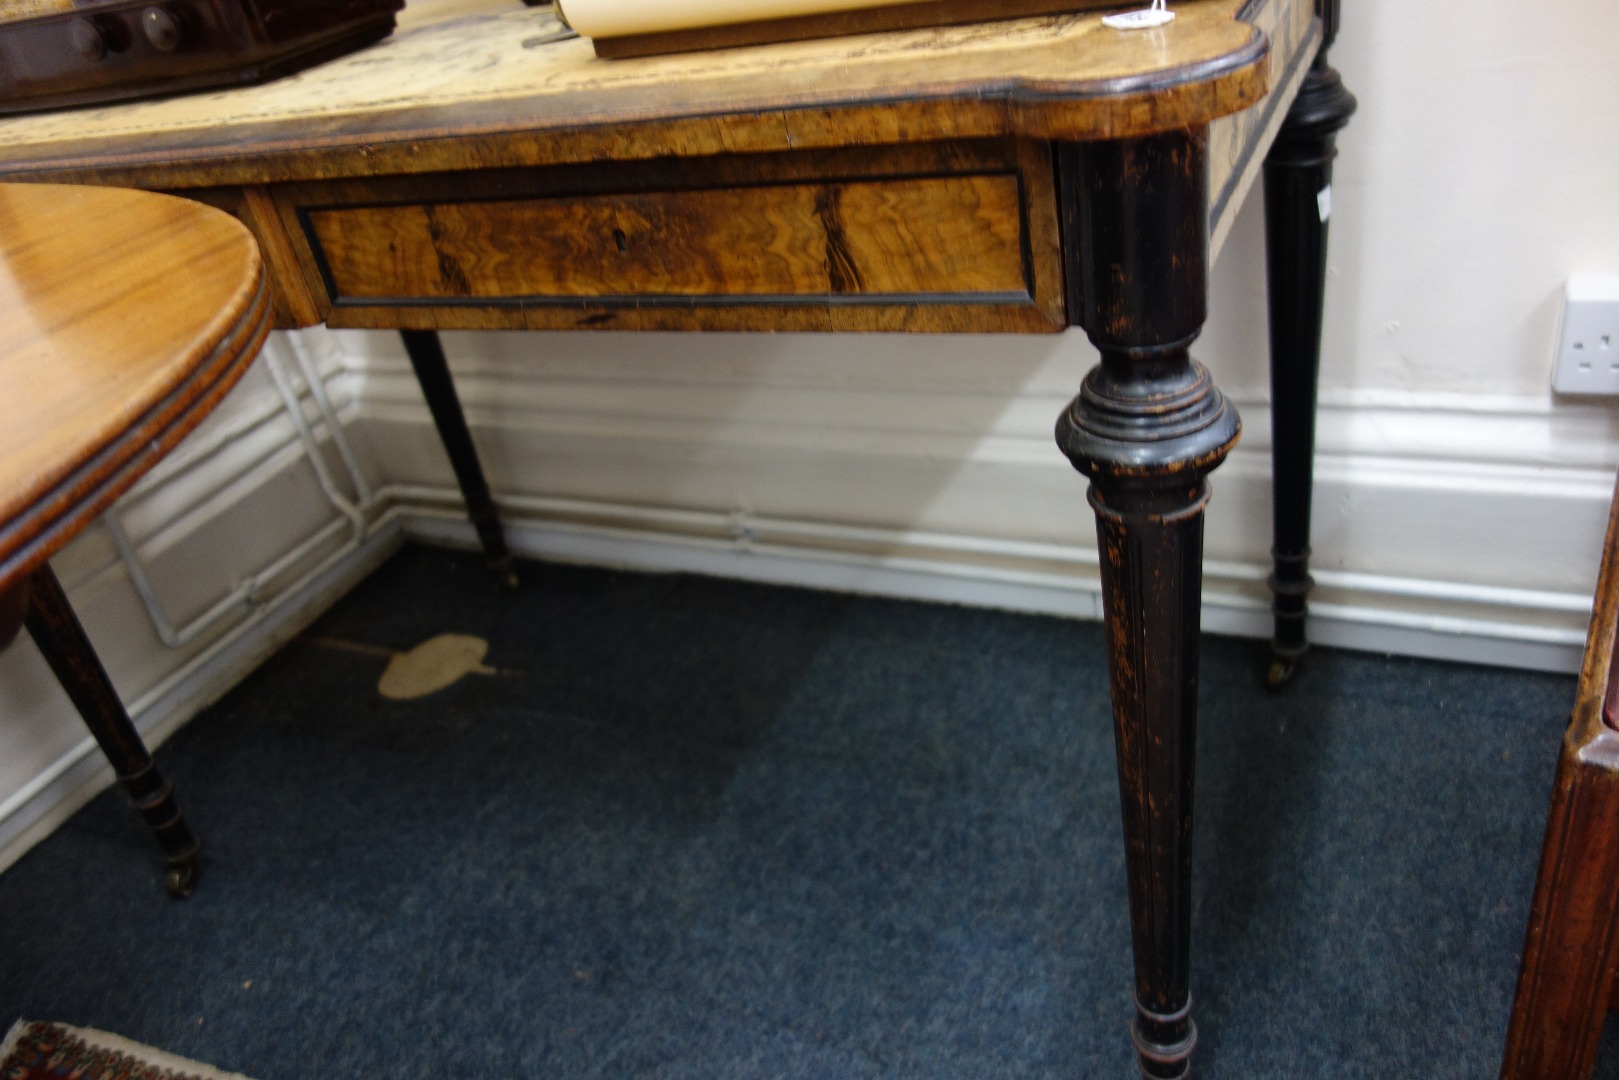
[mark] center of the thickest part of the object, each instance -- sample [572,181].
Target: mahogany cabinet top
[124,316]
[483,83]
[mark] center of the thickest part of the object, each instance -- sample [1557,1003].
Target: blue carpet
[717,830]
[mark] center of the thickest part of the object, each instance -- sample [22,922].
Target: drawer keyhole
[621,240]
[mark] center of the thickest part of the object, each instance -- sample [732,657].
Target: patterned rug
[33,1050]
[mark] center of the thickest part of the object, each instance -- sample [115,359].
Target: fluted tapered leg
[1298,204]
[1147,428]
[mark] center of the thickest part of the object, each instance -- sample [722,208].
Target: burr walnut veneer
[482,170]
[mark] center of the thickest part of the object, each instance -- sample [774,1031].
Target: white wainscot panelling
[1448,526]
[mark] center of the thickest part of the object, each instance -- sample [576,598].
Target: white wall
[1480,172]
[1459,506]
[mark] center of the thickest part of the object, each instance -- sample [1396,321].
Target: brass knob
[88,39]
[163,30]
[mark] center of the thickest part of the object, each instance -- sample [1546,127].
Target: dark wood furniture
[1016,176]
[74,52]
[124,317]
[1571,950]
[1298,204]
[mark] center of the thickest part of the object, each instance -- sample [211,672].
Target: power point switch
[1588,340]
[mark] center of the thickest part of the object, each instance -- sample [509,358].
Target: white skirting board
[1538,630]
[1462,527]
[1459,528]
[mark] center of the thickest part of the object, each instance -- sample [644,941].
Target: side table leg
[1147,427]
[1298,202]
[433,372]
[62,641]
[1571,948]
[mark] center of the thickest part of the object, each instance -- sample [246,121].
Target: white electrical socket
[1588,342]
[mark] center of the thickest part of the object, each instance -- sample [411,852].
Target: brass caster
[181,878]
[1280,672]
[505,572]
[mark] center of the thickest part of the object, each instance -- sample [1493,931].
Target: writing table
[481,171]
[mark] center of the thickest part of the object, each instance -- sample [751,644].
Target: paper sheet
[617,18]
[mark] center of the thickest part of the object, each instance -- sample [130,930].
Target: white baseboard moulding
[1521,628]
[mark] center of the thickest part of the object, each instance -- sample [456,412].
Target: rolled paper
[621,18]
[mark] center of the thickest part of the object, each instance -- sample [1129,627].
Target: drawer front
[952,249]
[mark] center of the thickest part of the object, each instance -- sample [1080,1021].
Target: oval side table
[125,316]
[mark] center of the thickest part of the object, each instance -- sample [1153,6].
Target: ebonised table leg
[1298,202]
[1147,428]
[62,641]
[433,372]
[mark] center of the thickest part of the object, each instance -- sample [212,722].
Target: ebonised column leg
[1147,427]
[433,372]
[62,641]
[1298,202]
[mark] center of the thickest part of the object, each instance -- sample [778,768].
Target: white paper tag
[1323,203]
[1144,19]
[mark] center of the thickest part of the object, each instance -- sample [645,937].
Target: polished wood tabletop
[501,74]
[124,317]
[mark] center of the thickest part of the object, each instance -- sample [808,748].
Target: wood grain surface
[934,237]
[1237,143]
[491,85]
[124,317]
[853,240]
[480,91]
[1571,947]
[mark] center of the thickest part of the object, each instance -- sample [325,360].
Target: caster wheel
[181,879]
[505,573]
[1280,672]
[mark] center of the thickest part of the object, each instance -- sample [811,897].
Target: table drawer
[899,240]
